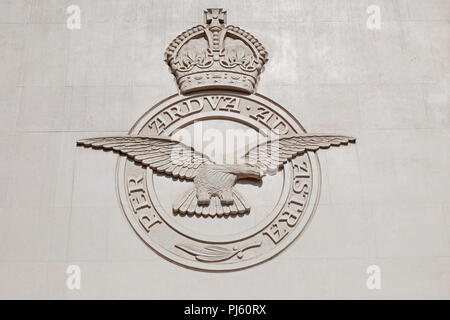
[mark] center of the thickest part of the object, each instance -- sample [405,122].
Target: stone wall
[384,202]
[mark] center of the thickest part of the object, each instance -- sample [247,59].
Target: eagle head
[245,171]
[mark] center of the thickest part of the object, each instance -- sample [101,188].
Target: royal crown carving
[216,56]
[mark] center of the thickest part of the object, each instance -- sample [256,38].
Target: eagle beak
[257,172]
[249,172]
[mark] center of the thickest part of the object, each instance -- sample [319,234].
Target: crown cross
[215,17]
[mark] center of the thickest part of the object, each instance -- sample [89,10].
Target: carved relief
[212,253]
[213,192]
[215,56]
[201,211]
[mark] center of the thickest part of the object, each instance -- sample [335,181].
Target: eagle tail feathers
[187,205]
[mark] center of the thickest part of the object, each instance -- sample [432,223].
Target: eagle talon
[203,198]
[226,198]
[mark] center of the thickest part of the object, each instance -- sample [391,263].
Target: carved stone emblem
[217,177]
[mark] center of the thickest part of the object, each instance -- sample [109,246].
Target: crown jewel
[216,56]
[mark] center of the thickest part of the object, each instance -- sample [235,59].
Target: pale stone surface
[9,104]
[15,11]
[410,234]
[46,55]
[384,201]
[13,51]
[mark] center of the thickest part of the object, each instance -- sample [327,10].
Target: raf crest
[200,211]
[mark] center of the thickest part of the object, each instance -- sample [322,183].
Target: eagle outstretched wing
[271,155]
[163,155]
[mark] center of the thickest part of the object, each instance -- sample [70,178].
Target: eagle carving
[213,192]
